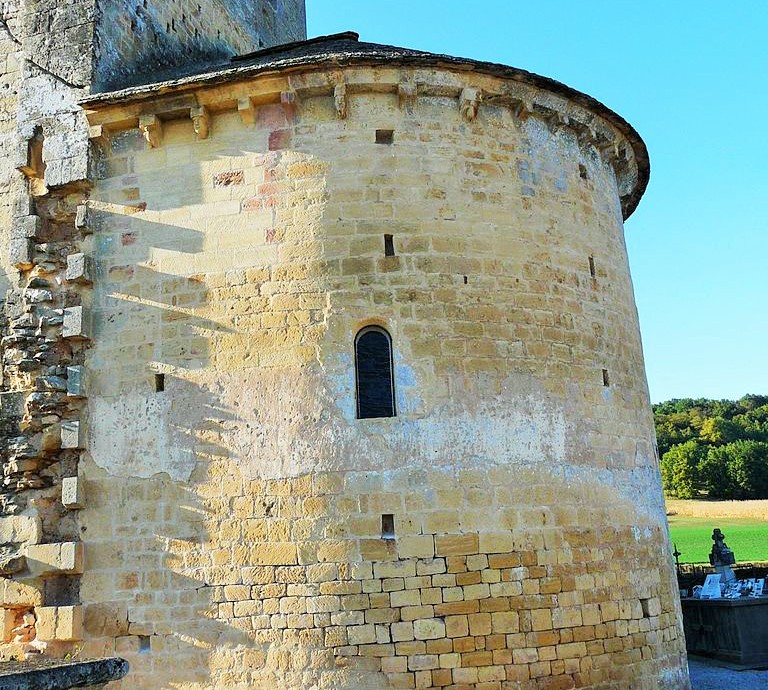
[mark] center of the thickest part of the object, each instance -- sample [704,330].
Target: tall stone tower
[323,370]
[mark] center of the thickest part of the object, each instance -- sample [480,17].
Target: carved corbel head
[469,103]
[201,121]
[340,100]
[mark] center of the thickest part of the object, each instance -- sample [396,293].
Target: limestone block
[82,217]
[60,623]
[21,250]
[72,493]
[7,624]
[433,629]
[16,594]
[72,435]
[76,382]
[79,269]
[77,323]
[28,226]
[66,557]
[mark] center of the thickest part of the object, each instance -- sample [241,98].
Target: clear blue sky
[692,78]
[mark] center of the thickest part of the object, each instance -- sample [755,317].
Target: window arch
[374,374]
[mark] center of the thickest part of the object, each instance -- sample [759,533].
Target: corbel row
[522,100]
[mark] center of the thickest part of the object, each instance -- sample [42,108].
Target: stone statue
[721,557]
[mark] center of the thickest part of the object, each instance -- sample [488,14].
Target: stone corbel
[99,135]
[152,129]
[522,109]
[469,103]
[289,102]
[340,100]
[247,111]
[556,121]
[406,96]
[201,121]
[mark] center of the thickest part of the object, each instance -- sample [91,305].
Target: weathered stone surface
[72,493]
[55,674]
[79,269]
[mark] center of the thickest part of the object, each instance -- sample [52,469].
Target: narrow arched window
[374,372]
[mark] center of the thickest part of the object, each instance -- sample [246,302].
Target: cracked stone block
[76,323]
[71,493]
[60,623]
[71,435]
[76,382]
[62,558]
[79,269]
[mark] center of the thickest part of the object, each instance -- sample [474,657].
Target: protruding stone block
[76,382]
[71,435]
[76,323]
[28,226]
[406,96]
[62,558]
[15,594]
[469,103]
[81,217]
[71,493]
[79,269]
[60,623]
[21,252]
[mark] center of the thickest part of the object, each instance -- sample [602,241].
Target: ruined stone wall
[233,504]
[139,42]
[52,52]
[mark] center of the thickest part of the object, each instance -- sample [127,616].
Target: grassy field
[744,523]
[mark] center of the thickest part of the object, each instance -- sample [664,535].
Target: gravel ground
[706,676]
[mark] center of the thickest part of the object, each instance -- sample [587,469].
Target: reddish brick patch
[128,238]
[252,204]
[228,179]
[271,235]
[136,208]
[279,139]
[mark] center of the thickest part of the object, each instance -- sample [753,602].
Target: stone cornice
[340,74]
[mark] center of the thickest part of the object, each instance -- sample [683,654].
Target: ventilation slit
[606,380]
[385,136]
[159,383]
[592,266]
[389,245]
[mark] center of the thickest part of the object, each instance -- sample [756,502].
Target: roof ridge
[282,47]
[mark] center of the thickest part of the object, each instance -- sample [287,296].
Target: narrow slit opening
[387,526]
[385,136]
[466,280]
[645,603]
[592,266]
[606,380]
[159,383]
[583,174]
[389,245]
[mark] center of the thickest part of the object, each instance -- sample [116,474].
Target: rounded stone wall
[243,528]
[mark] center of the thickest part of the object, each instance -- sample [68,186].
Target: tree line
[714,448]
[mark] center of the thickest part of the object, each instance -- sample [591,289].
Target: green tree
[680,469]
[718,431]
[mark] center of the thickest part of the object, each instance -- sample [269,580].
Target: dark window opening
[645,603]
[387,526]
[374,372]
[466,280]
[606,380]
[159,383]
[389,245]
[385,136]
[592,266]
[583,174]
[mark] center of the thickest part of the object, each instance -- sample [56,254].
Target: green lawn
[746,537]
